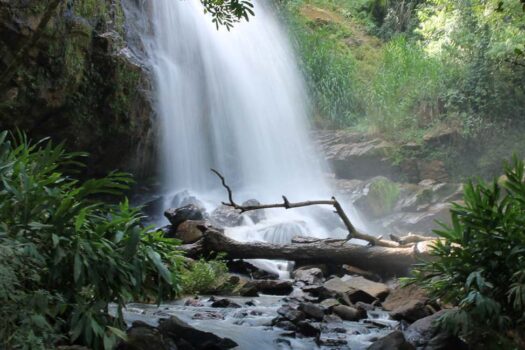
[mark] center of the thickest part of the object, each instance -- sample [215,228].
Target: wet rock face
[400,207]
[77,83]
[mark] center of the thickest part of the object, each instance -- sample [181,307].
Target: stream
[250,325]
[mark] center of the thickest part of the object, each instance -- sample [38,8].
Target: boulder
[245,268]
[153,208]
[256,215]
[271,287]
[188,231]
[291,314]
[184,198]
[393,341]
[331,339]
[284,324]
[349,313]
[224,303]
[407,303]
[177,216]
[308,276]
[426,335]
[312,311]
[142,336]
[176,329]
[375,289]
[226,216]
[308,329]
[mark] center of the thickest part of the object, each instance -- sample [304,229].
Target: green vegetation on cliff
[70,75]
[407,69]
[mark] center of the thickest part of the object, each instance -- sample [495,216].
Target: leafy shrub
[66,255]
[204,277]
[382,196]
[480,262]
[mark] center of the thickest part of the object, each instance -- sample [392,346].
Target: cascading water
[235,101]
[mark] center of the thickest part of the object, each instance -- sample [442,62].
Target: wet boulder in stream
[177,216]
[182,332]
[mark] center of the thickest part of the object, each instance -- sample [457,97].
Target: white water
[235,101]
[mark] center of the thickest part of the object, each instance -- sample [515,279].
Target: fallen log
[386,261]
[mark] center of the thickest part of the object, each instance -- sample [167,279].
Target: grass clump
[382,196]
[204,277]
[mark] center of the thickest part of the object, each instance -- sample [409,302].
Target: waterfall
[235,101]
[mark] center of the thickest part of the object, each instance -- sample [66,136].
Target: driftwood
[352,232]
[382,260]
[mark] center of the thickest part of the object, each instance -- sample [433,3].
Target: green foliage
[480,262]
[227,12]
[329,68]
[204,277]
[406,92]
[382,196]
[66,254]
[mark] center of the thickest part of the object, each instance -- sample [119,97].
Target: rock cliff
[66,71]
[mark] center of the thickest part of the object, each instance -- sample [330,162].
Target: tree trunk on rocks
[385,261]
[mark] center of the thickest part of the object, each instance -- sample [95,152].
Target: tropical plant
[69,253]
[479,262]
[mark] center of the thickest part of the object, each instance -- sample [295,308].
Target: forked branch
[286,204]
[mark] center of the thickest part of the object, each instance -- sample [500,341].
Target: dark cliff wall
[66,72]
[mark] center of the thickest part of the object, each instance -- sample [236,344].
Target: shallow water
[249,325]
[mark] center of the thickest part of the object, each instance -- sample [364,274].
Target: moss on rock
[76,84]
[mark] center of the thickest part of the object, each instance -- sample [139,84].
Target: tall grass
[329,68]
[407,91]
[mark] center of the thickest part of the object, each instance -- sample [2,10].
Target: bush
[65,254]
[204,277]
[480,262]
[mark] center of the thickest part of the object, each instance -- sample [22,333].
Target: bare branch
[352,232]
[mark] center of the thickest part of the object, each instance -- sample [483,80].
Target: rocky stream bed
[309,305]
